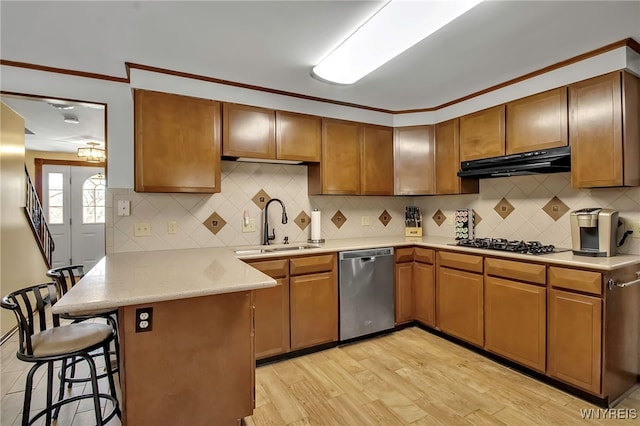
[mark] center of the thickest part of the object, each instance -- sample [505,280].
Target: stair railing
[35,214]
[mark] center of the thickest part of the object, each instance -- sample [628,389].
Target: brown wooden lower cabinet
[460,304]
[404,292]
[575,339]
[425,293]
[314,310]
[272,310]
[515,321]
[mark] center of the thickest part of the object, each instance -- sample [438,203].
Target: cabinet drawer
[516,270]
[465,262]
[424,255]
[274,268]
[312,264]
[403,254]
[573,279]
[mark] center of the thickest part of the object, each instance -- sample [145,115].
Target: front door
[74,201]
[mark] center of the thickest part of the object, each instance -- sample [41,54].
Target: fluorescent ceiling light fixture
[394,28]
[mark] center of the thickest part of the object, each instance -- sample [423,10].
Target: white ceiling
[274,44]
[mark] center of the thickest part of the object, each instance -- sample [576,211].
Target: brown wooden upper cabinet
[482,134]
[339,171]
[254,132]
[248,131]
[177,143]
[605,131]
[357,159]
[447,161]
[414,158]
[537,122]
[376,160]
[298,137]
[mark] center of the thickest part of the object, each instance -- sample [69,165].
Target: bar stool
[66,277]
[42,340]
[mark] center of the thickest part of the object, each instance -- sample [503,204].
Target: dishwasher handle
[368,259]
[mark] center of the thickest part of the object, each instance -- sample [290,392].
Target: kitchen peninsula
[192,362]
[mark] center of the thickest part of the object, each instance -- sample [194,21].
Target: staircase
[37,219]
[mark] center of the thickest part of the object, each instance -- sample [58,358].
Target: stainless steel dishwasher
[366,292]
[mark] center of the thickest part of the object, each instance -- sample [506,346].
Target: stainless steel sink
[290,248]
[248,251]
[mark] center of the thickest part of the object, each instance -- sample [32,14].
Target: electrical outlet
[144,319]
[250,227]
[172,227]
[635,227]
[364,221]
[450,221]
[142,229]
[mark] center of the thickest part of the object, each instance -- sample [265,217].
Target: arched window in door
[93,199]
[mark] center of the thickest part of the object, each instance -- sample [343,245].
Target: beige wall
[21,262]
[30,156]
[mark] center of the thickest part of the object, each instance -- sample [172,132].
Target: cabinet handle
[613,283]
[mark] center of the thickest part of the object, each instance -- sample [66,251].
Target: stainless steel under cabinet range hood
[552,160]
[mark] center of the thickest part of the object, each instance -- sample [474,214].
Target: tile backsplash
[244,187]
[529,207]
[530,216]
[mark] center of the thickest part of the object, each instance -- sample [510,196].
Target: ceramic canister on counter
[464,224]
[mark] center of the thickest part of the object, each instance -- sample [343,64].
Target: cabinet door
[248,131]
[404,292]
[595,120]
[424,293]
[447,161]
[515,321]
[272,310]
[298,136]
[482,134]
[575,339]
[376,165]
[339,170]
[177,143]
[460,304]
[314,309]
[414,156]
[537,122]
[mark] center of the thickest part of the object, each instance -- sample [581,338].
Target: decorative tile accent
[385,218]
[439,217]
[261,199]
[476,218]
[338,219]
[504,208]
[214,223]
[302,220]
[555,208]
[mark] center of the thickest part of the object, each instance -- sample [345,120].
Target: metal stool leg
[94,383]
[28,390]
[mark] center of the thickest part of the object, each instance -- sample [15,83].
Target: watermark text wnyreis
[609,413]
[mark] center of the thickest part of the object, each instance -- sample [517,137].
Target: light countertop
[123,279]
[566,258]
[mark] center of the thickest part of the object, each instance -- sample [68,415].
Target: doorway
[73,198]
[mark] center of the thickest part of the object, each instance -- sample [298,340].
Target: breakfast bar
[186,332]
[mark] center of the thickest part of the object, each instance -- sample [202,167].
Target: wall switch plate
[635,227]
[250,227]
[124,208]
[172,227]
[364,221]
[144,319]
[142,229]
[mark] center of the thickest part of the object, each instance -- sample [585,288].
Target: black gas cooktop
[514,246]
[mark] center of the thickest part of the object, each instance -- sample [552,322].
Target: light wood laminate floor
[408,377]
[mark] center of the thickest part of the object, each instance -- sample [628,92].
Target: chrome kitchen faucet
[265,228]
